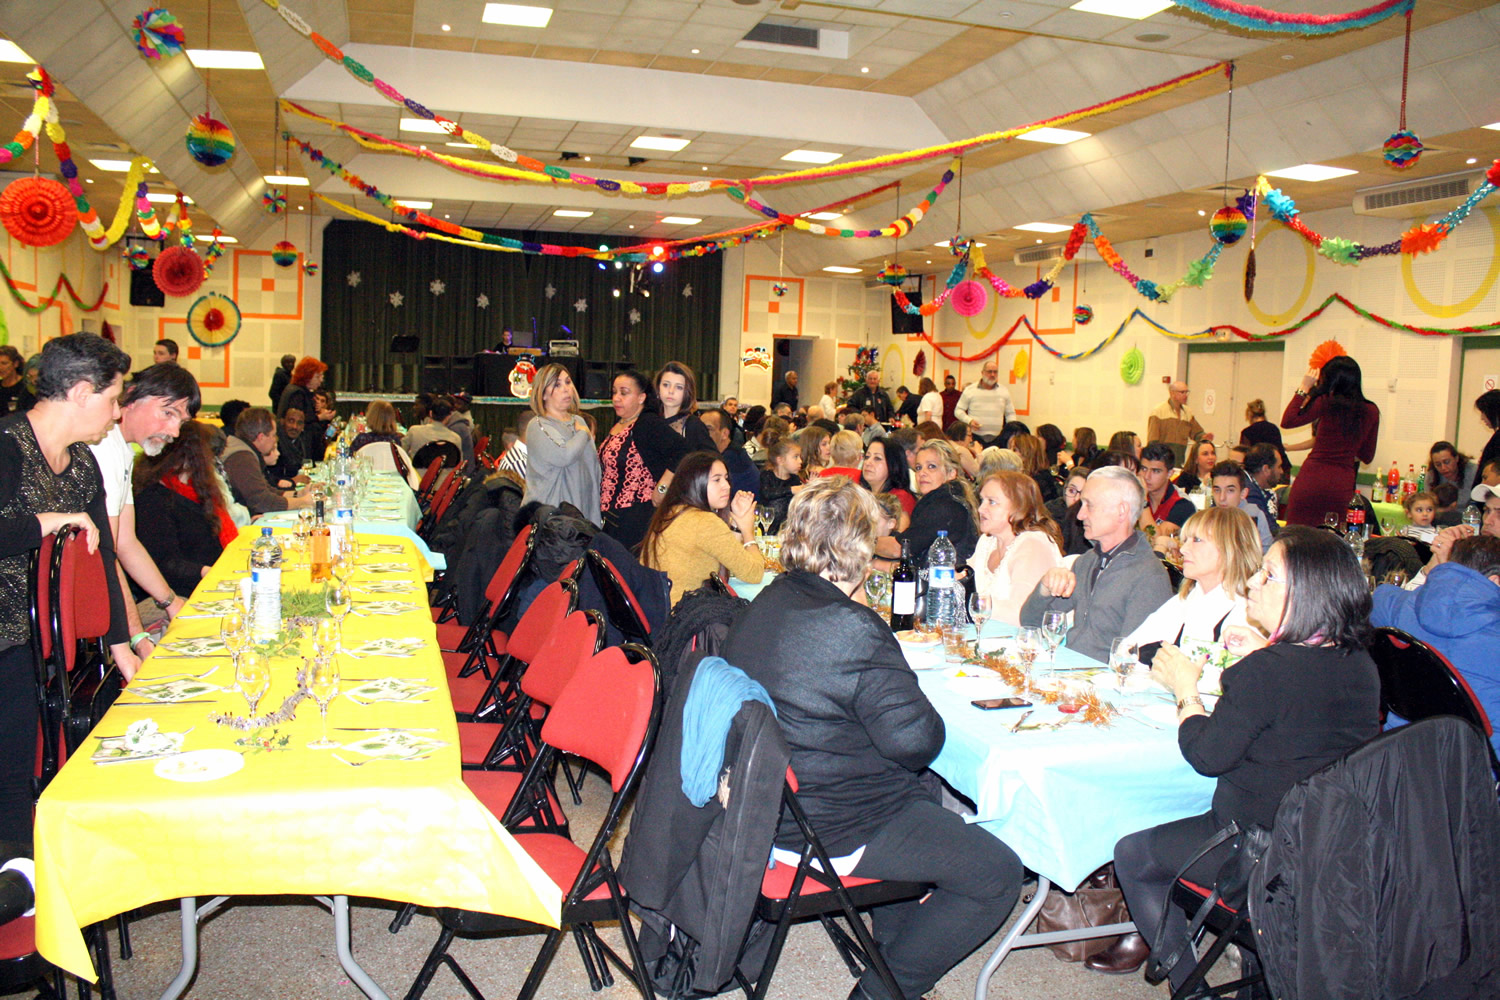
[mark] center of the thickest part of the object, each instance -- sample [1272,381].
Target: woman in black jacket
[636,460]
[947,503]
[180,513]
[1303,698]
[861,733]
[307,378]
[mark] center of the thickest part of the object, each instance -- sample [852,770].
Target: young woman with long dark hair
[636,460]
[690,538]
[1345,425]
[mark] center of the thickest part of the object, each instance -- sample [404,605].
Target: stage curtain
[679,320]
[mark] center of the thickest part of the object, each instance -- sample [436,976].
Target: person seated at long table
[1297,701]
[861,734]
[1018,543]
[691,538]
[182,518]
[1118,582]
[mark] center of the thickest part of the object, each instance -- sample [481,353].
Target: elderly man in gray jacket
[1116,584]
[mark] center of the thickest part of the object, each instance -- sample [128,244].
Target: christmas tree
[865,359]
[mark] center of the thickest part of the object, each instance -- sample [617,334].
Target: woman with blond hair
[1018,543]
[861,732]
[946,503]
[380,442]
[844,453]
[561,463]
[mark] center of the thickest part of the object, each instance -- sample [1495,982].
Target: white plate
[199,765]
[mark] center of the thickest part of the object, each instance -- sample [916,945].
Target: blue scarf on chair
[717,692]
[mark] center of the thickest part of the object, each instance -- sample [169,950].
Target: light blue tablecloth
[1061,798]
[389,508]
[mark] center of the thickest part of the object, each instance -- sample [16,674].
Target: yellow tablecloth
[113,837]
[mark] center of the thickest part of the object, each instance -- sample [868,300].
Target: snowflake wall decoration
[396,299]
[354,278]
[436,287]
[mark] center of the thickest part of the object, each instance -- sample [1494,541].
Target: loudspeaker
[597,376]
[783,347]
[143,290]
[903,322]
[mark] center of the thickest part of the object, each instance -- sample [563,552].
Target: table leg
[191,915]
[1017,937]
[341,935]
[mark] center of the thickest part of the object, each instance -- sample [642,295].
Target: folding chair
[442,498]
[429,479]
[607,714]
[21,968]
[499,594]
[794,892]
[52,691]
[475,696]
[1418,682]
[80,611]
[620,603]
[1230,925]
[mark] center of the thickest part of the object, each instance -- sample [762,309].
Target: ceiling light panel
[811,156]
[1311,172]
[11,52]
[680,220]
[423,205]
[1055,136]
[572,213]
[516,14]
[840,269]
[165,198]
[285,179]
[422,125]
[1134,10]
[1042,227]
[224,59]
[116,166]
[666,144]
[825,216]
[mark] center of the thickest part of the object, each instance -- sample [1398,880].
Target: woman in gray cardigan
[561,463]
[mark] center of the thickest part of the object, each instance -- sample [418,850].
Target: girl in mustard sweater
[690,538]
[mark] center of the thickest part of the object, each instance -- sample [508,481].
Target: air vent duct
[803,39]
[1038,255]
[1416,198]
[771,33]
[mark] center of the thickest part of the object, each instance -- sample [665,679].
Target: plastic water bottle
[942,584]
[343,514]
[1473,518]
[265,584]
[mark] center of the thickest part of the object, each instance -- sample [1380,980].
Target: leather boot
[1125,956]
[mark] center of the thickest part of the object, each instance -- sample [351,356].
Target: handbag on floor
[1096,902]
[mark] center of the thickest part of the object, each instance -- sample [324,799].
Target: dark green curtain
[679,320]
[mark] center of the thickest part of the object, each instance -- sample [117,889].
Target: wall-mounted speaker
[143,290]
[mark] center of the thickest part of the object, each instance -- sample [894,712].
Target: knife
[163,704]
[1023,718]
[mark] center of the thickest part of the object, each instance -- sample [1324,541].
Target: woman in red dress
[1345,425]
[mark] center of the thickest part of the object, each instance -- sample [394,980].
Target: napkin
[396,744]
[170,691]
[142,741]
[389,689]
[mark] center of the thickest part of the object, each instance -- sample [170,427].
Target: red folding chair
[620,603]
[442,498]
[80,609]
[51,687]
[499,594]
[608,714]
[794,892]
[477,697]
[424,486]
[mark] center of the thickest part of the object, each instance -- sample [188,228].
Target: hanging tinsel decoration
[311,268]
[1403,149]
[157,34]
[1083,315]
[273,200]
[209,141]
[284,253]
[138,258]
[214,320]
[37,211]
[178,271]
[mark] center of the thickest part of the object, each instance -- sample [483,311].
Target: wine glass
[1396,577]
[764,518]
[878,589]
[1122,659]
[252,672]
[1028,646]
[235,634]
[321,680]
[327,636]
[979,613]
[338,598]
[1331,521]
[1054,627]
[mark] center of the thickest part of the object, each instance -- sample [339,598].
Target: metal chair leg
[402,917]
[430,967]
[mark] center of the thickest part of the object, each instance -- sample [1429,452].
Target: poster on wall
[756,357]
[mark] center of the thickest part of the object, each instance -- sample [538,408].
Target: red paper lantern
[38,211]
[178,271]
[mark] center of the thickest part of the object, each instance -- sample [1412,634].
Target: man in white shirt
[433,428]
[153,406]
[985,406]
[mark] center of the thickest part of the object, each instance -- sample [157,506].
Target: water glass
[338,598]
[1028,647]
[980,608]
[235,633]
[878,589]
[1123,656]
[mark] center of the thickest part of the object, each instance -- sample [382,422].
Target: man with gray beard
[153,406]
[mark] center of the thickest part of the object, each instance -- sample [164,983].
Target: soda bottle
[904,591]
[265,584]
[1393,484]
[942,584]
[1354,517]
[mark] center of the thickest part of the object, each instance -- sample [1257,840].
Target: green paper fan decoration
[1132,366]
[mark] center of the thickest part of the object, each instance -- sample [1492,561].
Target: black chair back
[1418,682]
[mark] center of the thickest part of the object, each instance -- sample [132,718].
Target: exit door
[1223,379]
[1480,367]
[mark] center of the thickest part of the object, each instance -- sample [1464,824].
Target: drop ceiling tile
[609,57]
[499,47]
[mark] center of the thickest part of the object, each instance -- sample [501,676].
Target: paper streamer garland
[63,283]
[214,320]
[209,141]
[178,272]
[284,253]
[157,34]
[37,211]
[1132,366]
[1275,22]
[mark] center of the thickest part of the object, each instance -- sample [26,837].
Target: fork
[192,677]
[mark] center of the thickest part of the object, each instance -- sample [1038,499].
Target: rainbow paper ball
[958,246]
[209,141]
[273,201]
[892,274]
[1403,149]
[1228,225]
[284,254]
[779,288]
[1083,315]
[138,258]
[37,211]
[311,267]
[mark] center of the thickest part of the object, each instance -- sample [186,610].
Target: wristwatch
[164,605]
[1191,701]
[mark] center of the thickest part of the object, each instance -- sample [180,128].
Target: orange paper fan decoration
[1326,352]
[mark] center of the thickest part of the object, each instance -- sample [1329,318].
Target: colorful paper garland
[37,211]
[214,320]
[209,141]
[63,283]
[1279,23]
[157,34]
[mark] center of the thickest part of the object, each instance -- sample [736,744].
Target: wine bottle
[904,591]
[320,544]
